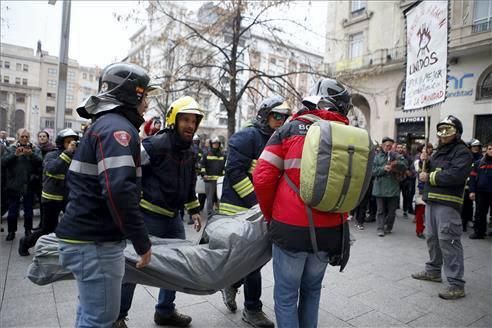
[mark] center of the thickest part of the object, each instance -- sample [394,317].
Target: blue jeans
[98,269]
[14,208]
[297,289]
[162,227]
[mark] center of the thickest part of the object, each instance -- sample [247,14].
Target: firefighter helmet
[448,126]
[332,93]
[184,105]
[65,133]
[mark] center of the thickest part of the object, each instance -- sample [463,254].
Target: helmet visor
[446,130]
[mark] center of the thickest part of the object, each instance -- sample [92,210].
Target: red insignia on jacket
[122,137]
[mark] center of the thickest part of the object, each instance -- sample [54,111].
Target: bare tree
[208,53]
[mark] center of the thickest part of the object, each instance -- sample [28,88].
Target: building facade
[28,89]
[366,49]
[155,47]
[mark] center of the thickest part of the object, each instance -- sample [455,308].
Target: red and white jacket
[280,204]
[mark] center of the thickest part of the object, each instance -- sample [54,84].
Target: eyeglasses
[279,117]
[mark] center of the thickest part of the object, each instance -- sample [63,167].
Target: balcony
[379,58]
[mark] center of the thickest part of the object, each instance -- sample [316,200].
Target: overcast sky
[96,38]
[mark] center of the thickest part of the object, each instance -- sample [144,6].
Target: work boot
[380,233]
[229,298]
[452,293]
[10,236]
[120,323]
[475,236]
[175,319]
[424,275]
[23,247]
[257,319]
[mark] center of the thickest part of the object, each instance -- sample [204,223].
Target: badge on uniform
[122,137]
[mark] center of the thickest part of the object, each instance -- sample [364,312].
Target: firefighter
[244,149]
[212,168]
[104,193]
[449,168]
[53,195]
[168,183]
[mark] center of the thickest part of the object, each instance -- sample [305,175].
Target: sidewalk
[375,290]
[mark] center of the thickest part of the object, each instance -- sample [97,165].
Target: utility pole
[62,66]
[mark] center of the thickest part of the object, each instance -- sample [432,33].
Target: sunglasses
[279,117]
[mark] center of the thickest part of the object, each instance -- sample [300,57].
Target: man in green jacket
[387,168]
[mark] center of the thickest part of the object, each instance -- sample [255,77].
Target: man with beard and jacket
[212,168]
[297,269]
[104,193]
[244,149]
[54,193]
[168,184]
[445,180]
[481,192]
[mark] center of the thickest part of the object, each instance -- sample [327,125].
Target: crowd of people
[113,186]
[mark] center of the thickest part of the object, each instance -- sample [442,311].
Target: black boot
[175,319]
[10,236]
[24,247]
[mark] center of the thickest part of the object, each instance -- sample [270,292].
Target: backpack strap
[312,232]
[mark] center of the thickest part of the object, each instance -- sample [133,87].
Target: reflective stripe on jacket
[56,164]
[449,167]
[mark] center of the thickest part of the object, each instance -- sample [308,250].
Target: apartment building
[28,89]
[366,49]
[154,47]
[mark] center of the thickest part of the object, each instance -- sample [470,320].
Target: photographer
[53,196]
[20,161]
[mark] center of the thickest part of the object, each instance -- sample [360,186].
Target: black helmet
[454,127]
[65,133]
[124,82]
[272,104]
[335,93]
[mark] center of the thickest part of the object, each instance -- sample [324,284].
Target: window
[17,80]
[356,42]
[357,7]
[483,132]
[24,82]
[71,75]
[51,83]
[18,67]
[223,121]
[70,87]
[25,68]
[91,77]
[68,111]
[482,16]
[484,87]
[69,98]
[50,109]
[20,98]
[7,65]
[52,71]
[6,79]
[51,95]
[50,124]
[223,109]
[84,76]
[68,125]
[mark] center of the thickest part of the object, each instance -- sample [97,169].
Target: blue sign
[457,84]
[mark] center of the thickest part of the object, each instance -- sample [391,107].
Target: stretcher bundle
[235,246]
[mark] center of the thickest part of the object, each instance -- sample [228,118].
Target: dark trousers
[483,202]
[51,211]
[466,210]
[408,191]
[162,227]
[386,212]
[252,290]
[360,211]
[14,208]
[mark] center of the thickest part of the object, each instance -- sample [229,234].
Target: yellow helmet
[184,105]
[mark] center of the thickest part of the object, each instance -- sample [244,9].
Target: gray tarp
[237,245]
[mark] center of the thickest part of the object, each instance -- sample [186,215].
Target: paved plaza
[375,290]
